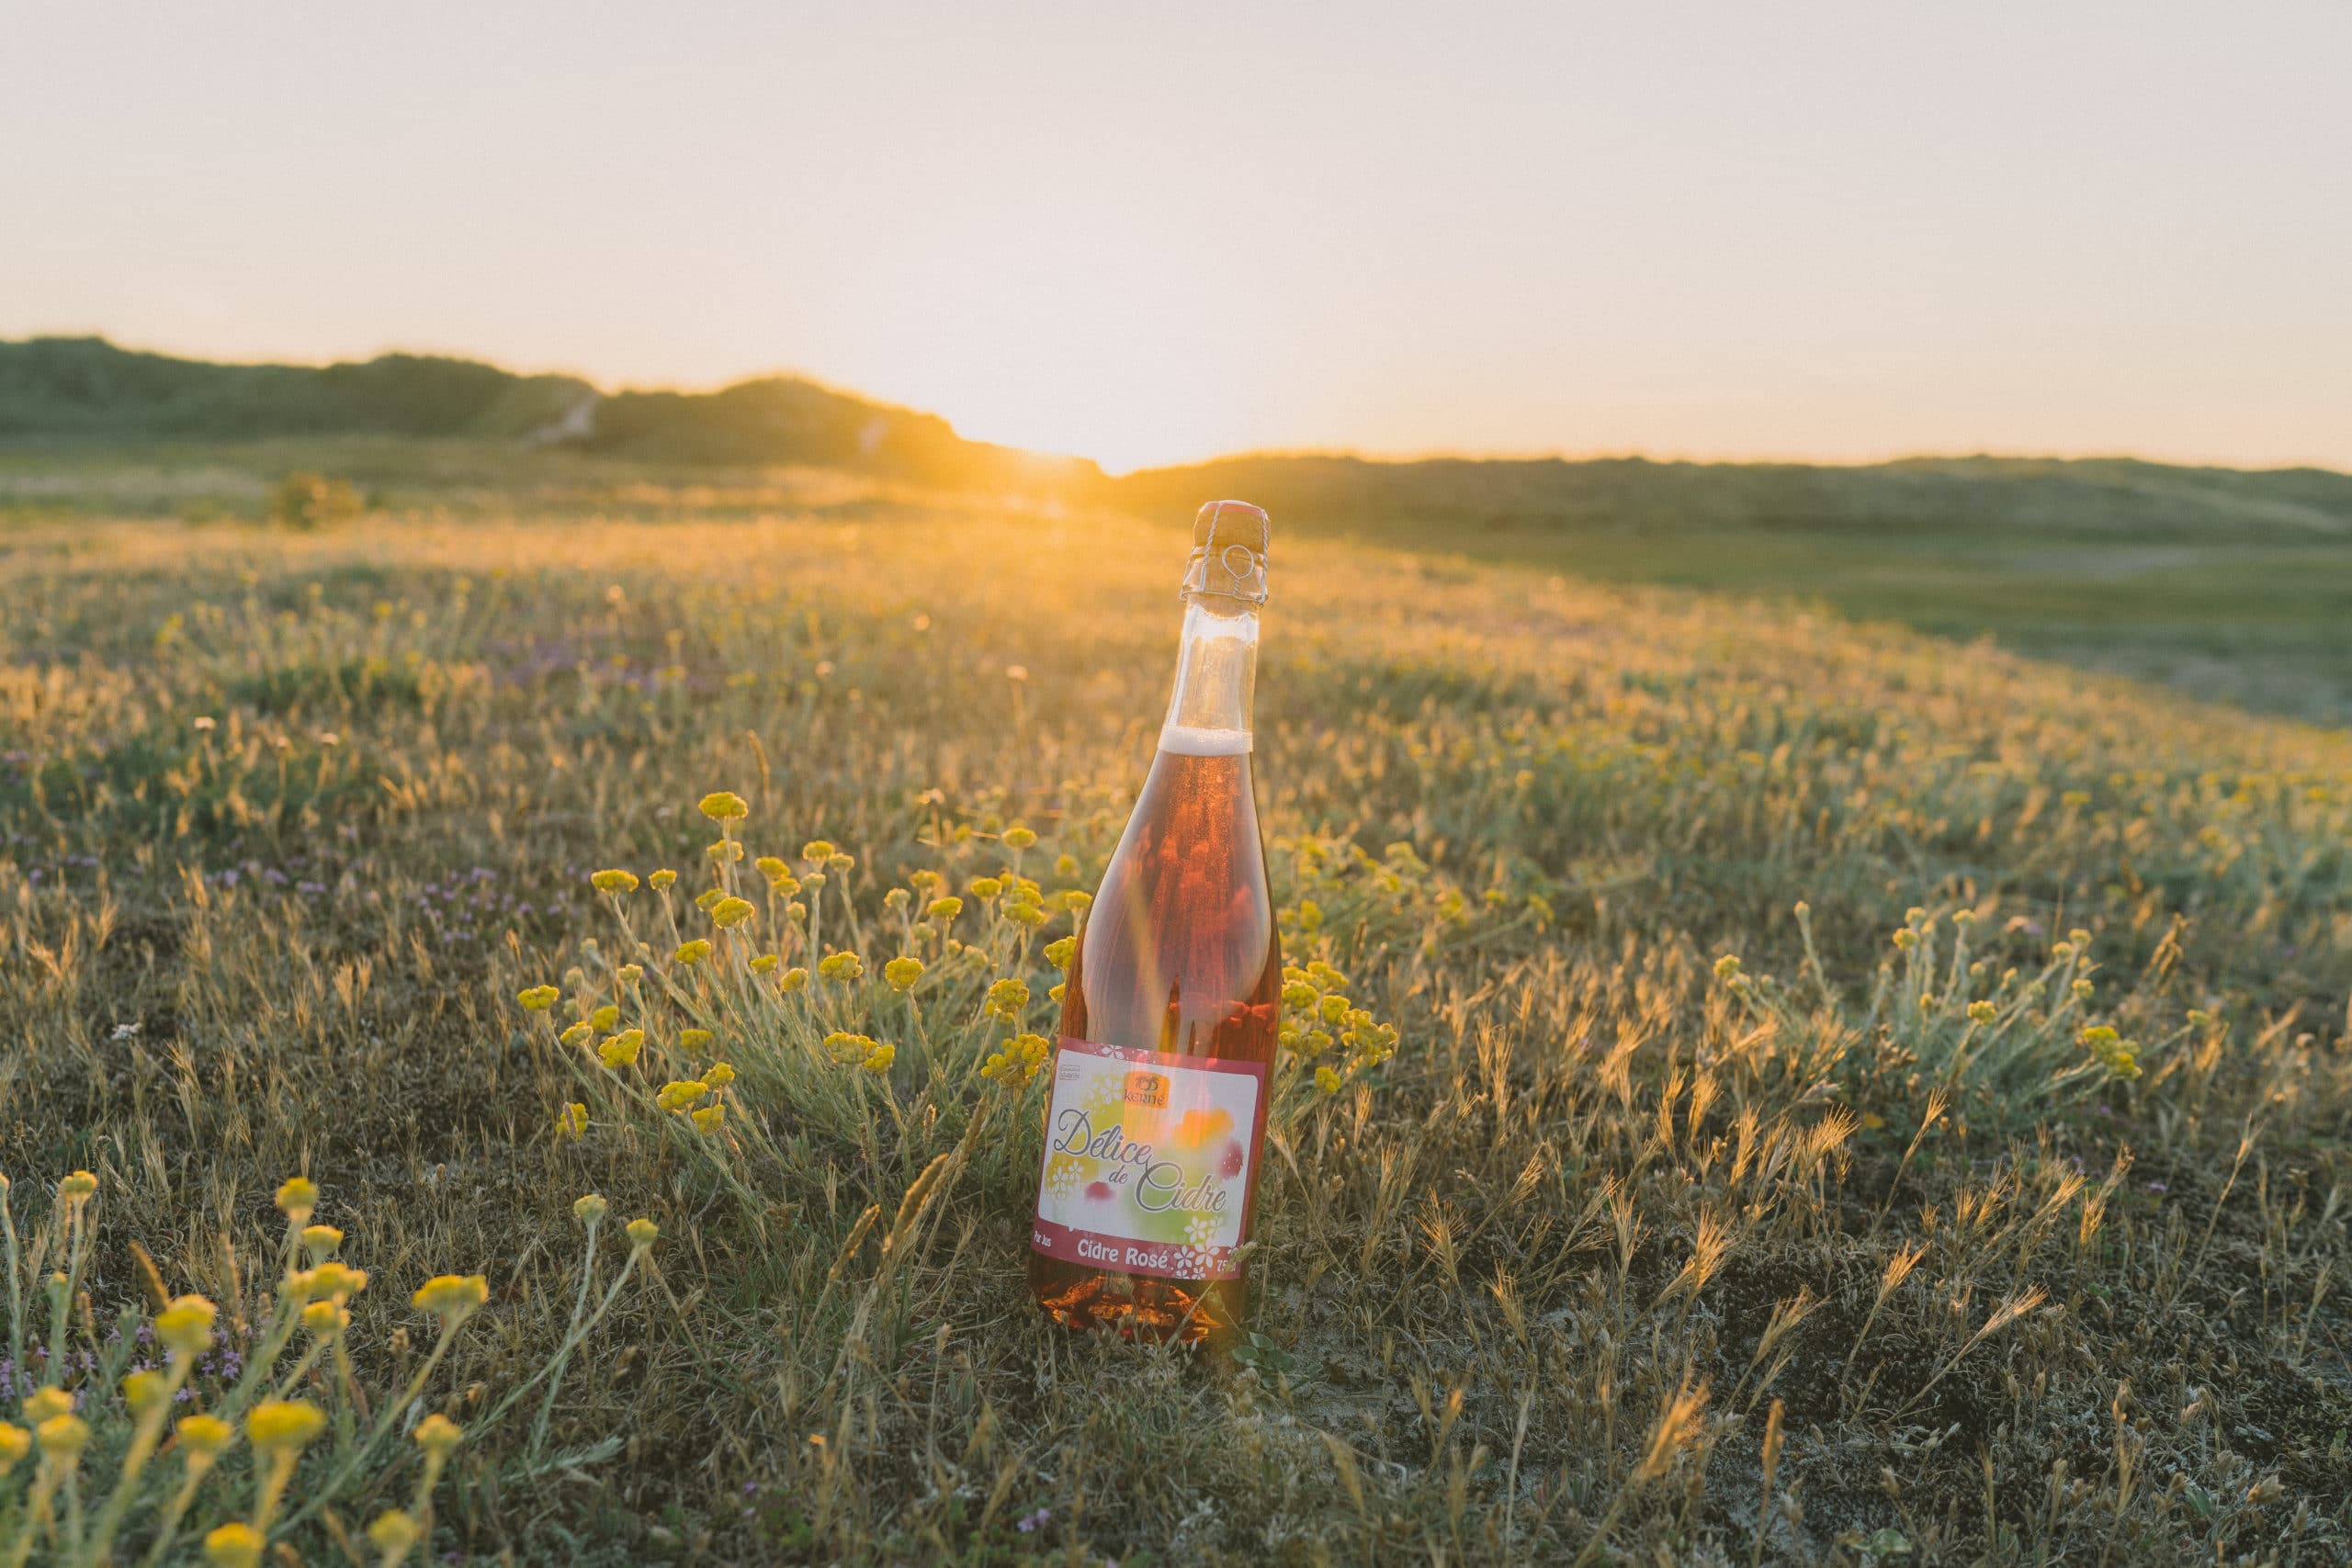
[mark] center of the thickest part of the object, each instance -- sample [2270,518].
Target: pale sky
[1155,232]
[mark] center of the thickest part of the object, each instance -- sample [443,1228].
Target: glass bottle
[1173,1005]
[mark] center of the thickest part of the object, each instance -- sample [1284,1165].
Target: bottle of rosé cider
[1172,1004]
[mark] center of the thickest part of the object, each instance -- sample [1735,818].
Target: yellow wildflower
[276,1425]
[571,1122]
[984,887]
[143,1391]
[709,1118]
[817,851]
[846,1047]
[693,1039]
[589,1208]
[1007,1000]
[77,1187]
[1018,837]
[681,1093]
[201,1437]
[605,1017]
[878,1060]
[320,1242]
[234,1545]
[728,913]
[1025,915]
[614,882]
[629,974]
[943,910]
[15,1444]
[841,966]
[719,1076]
[338,1282]
[450,1296]
[437,1435]
[2113,1053]
[772,868]
[795,979]
[643,1233]
[707,899]
[1022,1057]
[903,972]
[186,1325]
[765,963]
[621,1050]
[725,850]
[694,952]
[1981,1012]
[298,1197]
[62,1438]
[538,998]
[44,1403]
[324,1320]
[663,879]
[393,1534]
[1058,951]
[724,805]
[580,1032]
[1326,1080]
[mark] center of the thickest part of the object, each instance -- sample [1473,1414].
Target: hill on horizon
[91,390]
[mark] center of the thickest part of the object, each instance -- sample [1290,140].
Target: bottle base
[1137,1306]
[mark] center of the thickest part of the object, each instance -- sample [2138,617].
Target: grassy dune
[1853,1097]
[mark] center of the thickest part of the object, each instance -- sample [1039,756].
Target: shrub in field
[308,501]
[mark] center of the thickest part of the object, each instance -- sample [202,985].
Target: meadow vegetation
[1755,1089]
[2234,585]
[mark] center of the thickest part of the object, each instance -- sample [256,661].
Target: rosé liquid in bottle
[1158,1107]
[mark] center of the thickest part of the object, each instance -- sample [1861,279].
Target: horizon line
[1664,458]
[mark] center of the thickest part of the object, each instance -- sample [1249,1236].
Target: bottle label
[1149,1160]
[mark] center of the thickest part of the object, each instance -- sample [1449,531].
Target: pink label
[1149,1160]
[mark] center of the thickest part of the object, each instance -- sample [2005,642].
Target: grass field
[1858,1099]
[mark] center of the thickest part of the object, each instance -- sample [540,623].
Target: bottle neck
[1216,678]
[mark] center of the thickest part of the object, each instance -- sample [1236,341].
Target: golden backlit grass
[1988,1206]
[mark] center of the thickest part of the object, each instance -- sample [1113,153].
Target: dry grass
[1682,1224]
